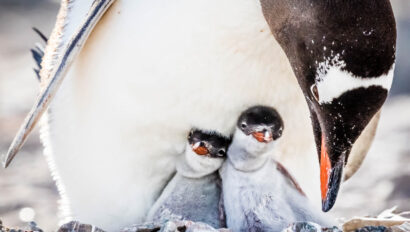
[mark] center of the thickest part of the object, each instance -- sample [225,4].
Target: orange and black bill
[263,137]
[200,149]
[336,127]
[330,178]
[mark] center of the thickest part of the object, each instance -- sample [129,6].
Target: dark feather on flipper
[38,53]
[39,33]
[289,177]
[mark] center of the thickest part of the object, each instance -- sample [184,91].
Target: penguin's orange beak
[325,168]
[330,176]
[263,137]
[336,127]
[200,149]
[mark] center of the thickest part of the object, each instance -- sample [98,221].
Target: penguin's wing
[361,147]
[75,21]
[70,19]
[291,180]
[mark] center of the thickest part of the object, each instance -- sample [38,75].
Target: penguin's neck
[192,165]
[246,153]
[278,12]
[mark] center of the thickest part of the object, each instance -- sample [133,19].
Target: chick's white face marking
[198,165]
[332,81]
[246,153]
[249,143]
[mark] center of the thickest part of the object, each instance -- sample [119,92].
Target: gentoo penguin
[151,69]
[194,192]
[258,195]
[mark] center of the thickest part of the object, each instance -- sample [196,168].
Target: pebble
[374,229]
[309,227]
[31,227]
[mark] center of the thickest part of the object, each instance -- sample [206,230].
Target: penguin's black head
[262,122]
[342,53]
[206,143]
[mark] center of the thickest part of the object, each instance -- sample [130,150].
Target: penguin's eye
[315,92]
[243,125]
[279,134]
[221,152]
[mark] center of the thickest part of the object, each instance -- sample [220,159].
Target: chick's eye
[243,125]
[221,152]
[315,92]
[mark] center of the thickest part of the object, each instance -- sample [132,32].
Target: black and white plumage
[195,190]
[258,194]
[152,69]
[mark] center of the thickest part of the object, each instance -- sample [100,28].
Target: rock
[388,219]
[146,227]
[405,227]
[374,229]
[32,227]
[309,227]
[174,226]
[75,226]
[169,226]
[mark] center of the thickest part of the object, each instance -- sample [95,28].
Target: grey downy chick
[195,190]
[259,194]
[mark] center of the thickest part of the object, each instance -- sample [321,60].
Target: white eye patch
[332,81]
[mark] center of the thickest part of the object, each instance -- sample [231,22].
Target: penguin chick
[258,193]
[195,190]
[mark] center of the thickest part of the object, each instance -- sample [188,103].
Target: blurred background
[27,191]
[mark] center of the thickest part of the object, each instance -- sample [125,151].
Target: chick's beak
[199,148]
[263,137]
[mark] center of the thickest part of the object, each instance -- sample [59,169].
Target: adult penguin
[152,69]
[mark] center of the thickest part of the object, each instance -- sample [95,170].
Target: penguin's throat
[245,162]
[192,165]
[247,154]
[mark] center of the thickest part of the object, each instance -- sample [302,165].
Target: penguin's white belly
[150,71]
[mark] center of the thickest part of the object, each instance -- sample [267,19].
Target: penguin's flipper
[58,64]
[289,178]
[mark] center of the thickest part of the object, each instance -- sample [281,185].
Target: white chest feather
[262,200]
[150,71]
